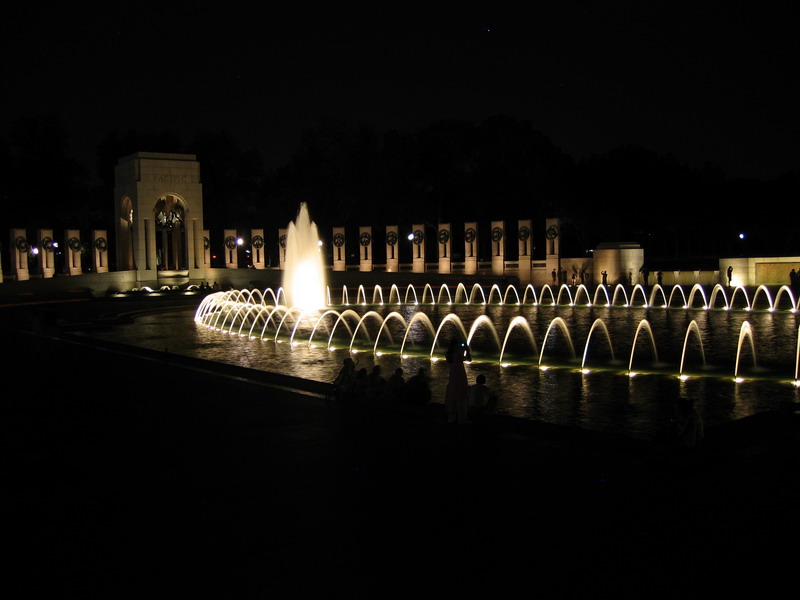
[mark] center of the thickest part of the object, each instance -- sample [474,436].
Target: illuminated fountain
[502,325]
[304,273]
[550,350]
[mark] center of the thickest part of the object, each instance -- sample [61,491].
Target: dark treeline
[448,171]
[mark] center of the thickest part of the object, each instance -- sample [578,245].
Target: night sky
[702,81]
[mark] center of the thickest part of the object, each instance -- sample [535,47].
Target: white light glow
[304,275]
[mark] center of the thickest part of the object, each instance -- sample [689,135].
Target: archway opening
[170,220]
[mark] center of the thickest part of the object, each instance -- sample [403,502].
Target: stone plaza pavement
[134,475]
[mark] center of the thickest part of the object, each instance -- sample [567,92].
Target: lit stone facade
[158,212]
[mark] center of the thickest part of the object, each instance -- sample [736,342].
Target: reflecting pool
[602,366]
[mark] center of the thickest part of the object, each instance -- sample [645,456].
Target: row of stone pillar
[21,249]
[45,248]
[444,243]
[392,239]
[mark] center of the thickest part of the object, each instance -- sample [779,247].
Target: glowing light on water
[304,275]
[255,314]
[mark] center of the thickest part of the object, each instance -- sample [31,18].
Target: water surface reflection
[605,399]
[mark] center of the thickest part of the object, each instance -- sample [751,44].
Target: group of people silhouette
[464,403]
[207,287]
[371,387]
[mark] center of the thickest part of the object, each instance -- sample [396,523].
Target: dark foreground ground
[133,475]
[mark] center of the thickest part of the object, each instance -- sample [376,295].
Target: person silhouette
[361,385]
[481,400]
[343,383]
[376,388]
[396,386]
[455,398]
[418,392]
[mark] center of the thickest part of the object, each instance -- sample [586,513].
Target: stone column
[552,251]
[498,247]
[339,249]
[47,253]
[151,254]
[418,249]
[445,243]
[257,248]
[231,249]
[206,249]
[197,246]
[525,244]
[392,258]
[100,251]
[365,248]
[72,253]
[282,233]
[19,254]
[470,248]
